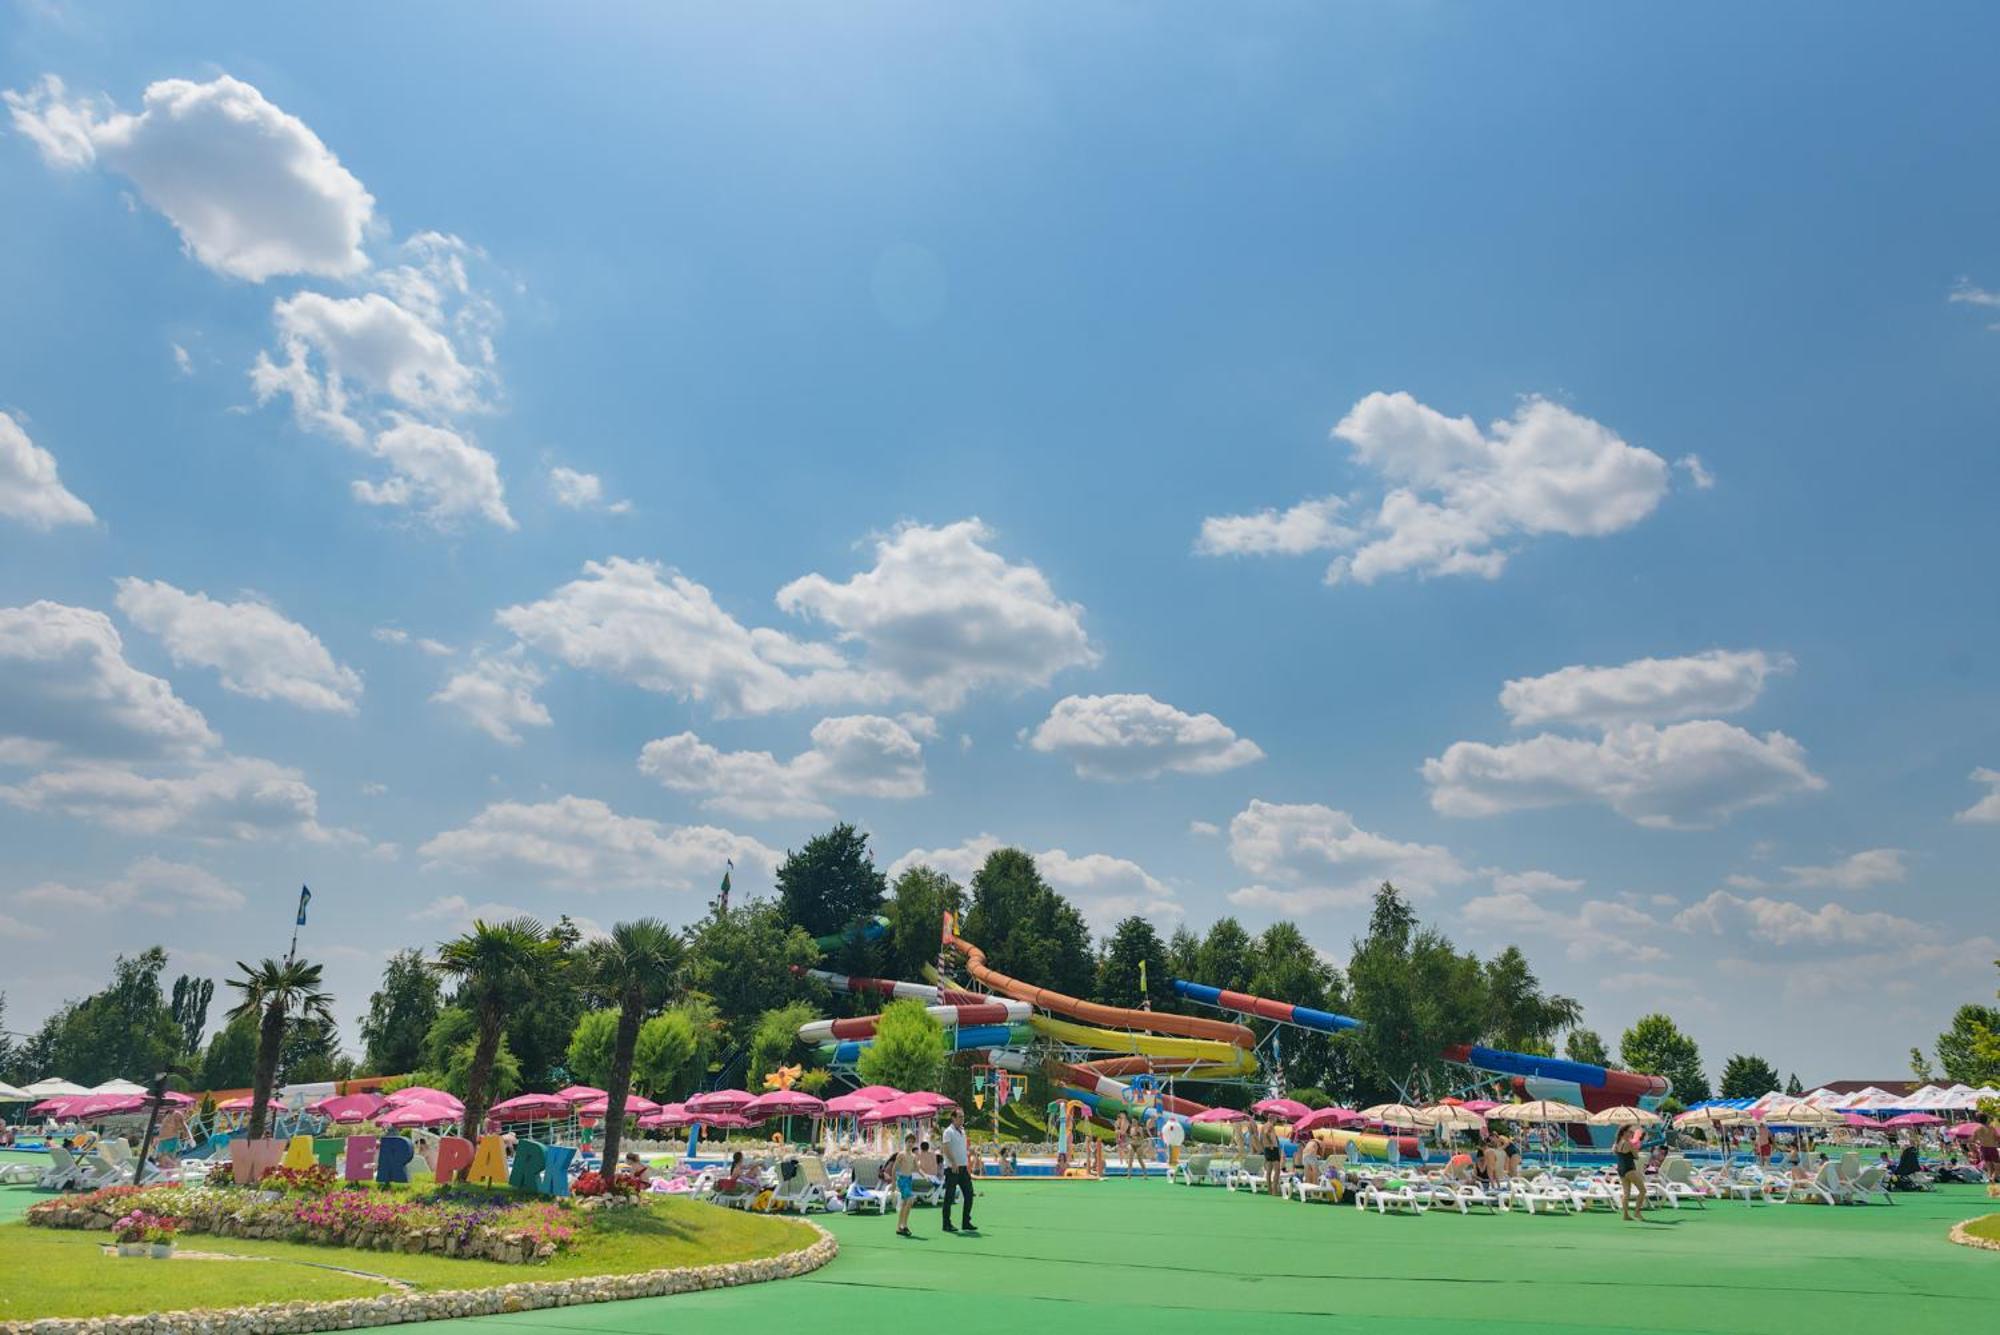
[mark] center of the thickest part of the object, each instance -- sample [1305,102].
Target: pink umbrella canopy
[530,1107]
[106,1105]
[879,1093]
[909,1106]
[1915,1119]
[241,1103]
[1481,1106]
[850,1105]
[720,1121]
[784,1103]
[634,1107]
[55,1107]
[1285,1110]
[924,1098]
[1325,1117]
[424,1094]
[720,1101]
[1208,1115]
[1856,1119]
[417,1114]
[349,1107]
[1964,1130]
[579,1094]
[672,1115]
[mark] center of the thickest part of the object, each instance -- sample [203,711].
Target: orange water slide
[1091,1012]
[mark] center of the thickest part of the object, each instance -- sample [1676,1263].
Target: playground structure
[1104,1060]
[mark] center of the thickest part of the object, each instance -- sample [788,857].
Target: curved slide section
[1264,1008]
[893,988]
[966,1038]
[1194,1050]
[951,1017]
[1571,1081]
[1091,1012]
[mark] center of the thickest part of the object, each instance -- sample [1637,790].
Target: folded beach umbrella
[1285,1110]
[720,1101]
[783,1103]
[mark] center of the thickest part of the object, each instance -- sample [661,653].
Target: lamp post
[156,1096]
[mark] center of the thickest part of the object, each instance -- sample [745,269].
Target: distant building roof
[1886,1086]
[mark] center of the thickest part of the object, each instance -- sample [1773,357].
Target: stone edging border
[394,1309]
[1965,1239]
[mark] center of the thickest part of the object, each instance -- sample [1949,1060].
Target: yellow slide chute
[1212,1060]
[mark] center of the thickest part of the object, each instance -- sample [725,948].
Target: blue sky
[469,402]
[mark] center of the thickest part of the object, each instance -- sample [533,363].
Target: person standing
[1986,1143]
[1632,1181]
[1123,1129]
[957,1173]
[1274,1154]
[903,1166]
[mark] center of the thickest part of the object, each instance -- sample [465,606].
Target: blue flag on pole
[305,898]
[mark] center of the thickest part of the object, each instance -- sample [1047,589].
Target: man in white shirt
[957,1172]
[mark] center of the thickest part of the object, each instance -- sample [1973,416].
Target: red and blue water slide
[1594,1088]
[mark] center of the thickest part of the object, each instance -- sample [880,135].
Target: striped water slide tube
[995,1011]
[966,1038]
[893,988]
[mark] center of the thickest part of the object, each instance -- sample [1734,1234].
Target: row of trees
[1968,1053]
[519,1005]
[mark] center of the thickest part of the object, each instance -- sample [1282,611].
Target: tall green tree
[127,1031]
[451,1048]
[1520,1017]
[639,966]
[1027,930]
[1133,943]
[1655,1045]
[773,1041]
[1969,1051]
[231,1059]
[276,993]
[742,961]
[665,1054]
[590,1047]
[538,1029]
[1286,966]
[1184,960]
[828,884]
[918,902]
[908,1051]
[311,1054]
[1748,1077]
[496,966]
[1415,994]
[9,1053]
[191,998]
[1587,1045]
[400,1012]
[1226,958]
[1793,1087]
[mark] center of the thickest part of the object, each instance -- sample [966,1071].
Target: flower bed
[491,1224]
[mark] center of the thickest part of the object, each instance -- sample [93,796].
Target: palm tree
[496,967]
[276,993]
[639,967]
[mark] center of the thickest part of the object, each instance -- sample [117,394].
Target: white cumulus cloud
[151,885]
[1857,871]
[1305,856]
[1103,887]
[582,491]
[1688,775]
[1647,690]
[253,192]
[1593,930]
[1455,500]
[66,690]
[581,843]
[1783,924]
[496,694]
[256,649]
[1986,811]
[1137,737]
[30,490]
[233,798]
[859,755]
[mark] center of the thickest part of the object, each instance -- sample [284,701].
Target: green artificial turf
[1144,1256]
[64,1272]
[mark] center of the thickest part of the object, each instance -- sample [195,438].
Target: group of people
[916,1157]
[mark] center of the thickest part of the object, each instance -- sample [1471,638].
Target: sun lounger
[64,1172]
[1542,1192]
[1392,1194]
[1193,1170]
[863,1193]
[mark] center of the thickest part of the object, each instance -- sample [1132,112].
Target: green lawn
[1123,1256]
[1988,1228]
[57,1272]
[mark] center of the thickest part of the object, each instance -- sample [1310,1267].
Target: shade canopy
[1453,1117]
[579,1093]
[721,1121]
[1208,1115]
[530,1107]
[1624,1116]
[55,1087]
[925,1098]
[9,1094]
[784,1103]
[720,1101]
[1285,1110]
[1394,1114]
[417,1114]
[879,1093]
[1964,1130]
[1323,1117]
[850,1105]
[1915,1119]
[118,1087]
[424,1094]
[635,1106]
[241,1103]
[349,1107]
[1538,1110]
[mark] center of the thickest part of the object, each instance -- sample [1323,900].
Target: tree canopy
[1748,1077]
[1027,930]
[1587,1045]
[908,1051]
[1656,1046]
[400,1012]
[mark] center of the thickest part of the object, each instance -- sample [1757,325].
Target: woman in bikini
[1631,1180]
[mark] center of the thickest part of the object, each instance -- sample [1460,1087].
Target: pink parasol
[851,1105]
[783,1103]
[907,1107]
[634,1107]
[55,1107]
[1480,1106]
[105,1105]
[1856,1119]
[349,1107]
[417,1114]
[530,1108]
[1325,1117]
[437,1098]
[672,1115]
[924,1098]
[579,1094]
[1964,1130]
[241,1103]
[720,1121]
[1915,1119]
[1208,1115]
[1285,1110]
[879,1093]
[720,1101]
